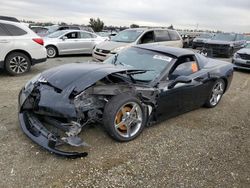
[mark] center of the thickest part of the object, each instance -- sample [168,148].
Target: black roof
[176,52]
[7,18]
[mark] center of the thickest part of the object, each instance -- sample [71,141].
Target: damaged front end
[54,116]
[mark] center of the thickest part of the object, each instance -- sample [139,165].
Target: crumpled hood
[244,51]
[79,75]
[111,45]
[219,42]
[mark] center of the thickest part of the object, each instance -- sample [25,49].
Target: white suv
[20,47]
[136,36]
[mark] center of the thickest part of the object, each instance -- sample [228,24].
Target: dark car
[225,44]
[40,30]
[199,41]
[135,88]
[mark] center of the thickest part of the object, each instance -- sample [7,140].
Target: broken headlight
[32,81]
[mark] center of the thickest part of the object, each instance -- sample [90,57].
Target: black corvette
[139,86]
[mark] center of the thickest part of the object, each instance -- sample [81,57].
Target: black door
[184,96]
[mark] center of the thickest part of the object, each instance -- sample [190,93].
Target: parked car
[224,44]
[241,58]
[131,37]
[137,87]
[71,42]
[40,30]
[20,47]
[199,41]
[54,28]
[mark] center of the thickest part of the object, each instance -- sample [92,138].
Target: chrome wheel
[51,52]
[217,93]
[128,120]
[18,64]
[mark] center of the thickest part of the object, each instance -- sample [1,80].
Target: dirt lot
[203,148]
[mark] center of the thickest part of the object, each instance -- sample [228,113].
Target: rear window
[3,32]
[173,35]
[14,30]
[75,28]
[161,35]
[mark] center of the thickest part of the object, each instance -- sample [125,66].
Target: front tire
[51,51]
[17,63]
[216,94]
[124,117]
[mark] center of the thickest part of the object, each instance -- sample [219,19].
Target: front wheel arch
[18,51]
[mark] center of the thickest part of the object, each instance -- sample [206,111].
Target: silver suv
[136,36]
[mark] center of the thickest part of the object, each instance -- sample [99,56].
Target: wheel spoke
[119,124]
[22,69]
[128,130]
[133,109]
[136,120]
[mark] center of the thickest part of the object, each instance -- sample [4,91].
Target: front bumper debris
[37,132]
[34,129]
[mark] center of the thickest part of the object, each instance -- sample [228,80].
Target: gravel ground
[202,148]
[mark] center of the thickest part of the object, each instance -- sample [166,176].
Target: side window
[147,38]
[14,30]
[161,35]
[72,35]
[93,36]
[173,35]
[3,32]
[185,66]
[85,35]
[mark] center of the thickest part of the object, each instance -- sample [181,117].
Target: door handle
[4,41]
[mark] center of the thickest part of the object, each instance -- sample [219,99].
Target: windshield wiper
[116,62]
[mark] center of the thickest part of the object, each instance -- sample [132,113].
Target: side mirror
[179,79]
[64,38]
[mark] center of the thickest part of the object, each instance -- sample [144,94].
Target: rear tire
[51,51]
[216,93]
[124,117]
[17,63]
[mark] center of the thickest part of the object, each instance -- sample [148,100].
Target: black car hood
[79,75]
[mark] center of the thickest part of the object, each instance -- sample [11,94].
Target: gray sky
[226,15]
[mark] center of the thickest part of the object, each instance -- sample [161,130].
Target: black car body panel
[69,97]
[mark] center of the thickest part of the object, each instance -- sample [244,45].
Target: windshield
[57,34]
[103,34]
[248,45]
[136,58]
[225,37]
[247,38]
[127,36]
[206,36]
